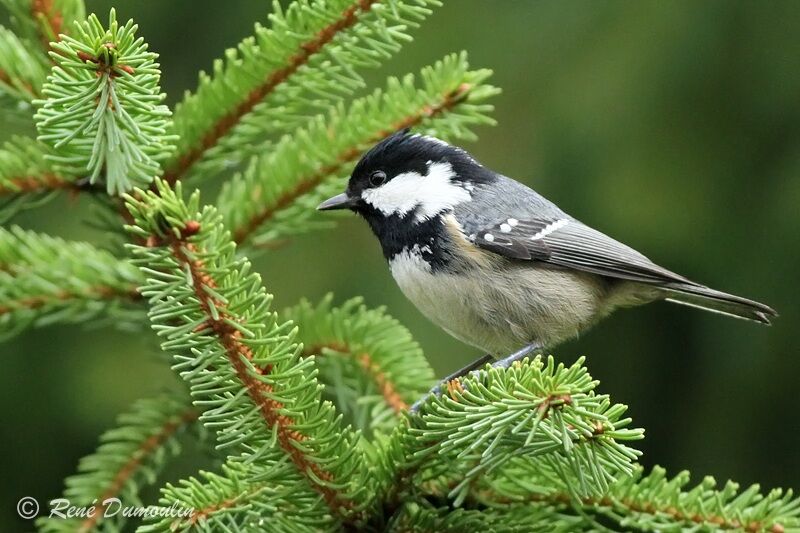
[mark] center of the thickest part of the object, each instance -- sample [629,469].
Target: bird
[495,264]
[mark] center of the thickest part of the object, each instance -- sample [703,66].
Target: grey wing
[563,241]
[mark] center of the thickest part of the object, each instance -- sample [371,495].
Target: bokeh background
[673,126]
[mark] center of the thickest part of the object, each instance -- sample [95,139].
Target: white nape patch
[505,228]
[550,228]
[411,191]
[489,237]
[512,222]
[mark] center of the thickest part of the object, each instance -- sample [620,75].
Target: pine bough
[305,411]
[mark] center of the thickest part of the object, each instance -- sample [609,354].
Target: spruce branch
[538,414]
[262,398]
[422,517]
[654,502]
[234,500]
[27,179]
[276,195]
[529,448]
[43,21]
[130,457]
[369,361]
[46,280]
[22,72]
[658,503]
[303,62]
[102,113]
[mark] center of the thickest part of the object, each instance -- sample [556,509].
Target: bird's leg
[437,390]
[473,367]
[516,356]
[461,372]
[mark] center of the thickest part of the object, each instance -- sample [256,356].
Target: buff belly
[501,306]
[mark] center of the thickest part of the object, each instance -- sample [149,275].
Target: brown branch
[307,184]
[201,514]
[43,11]
[208,511]
[147,447]
[371,368]
[239,355]
[347,19]
[34,184]
[386,387]
[6,78]
[98,292]
[564,499]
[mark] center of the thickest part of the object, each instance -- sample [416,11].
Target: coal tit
[494,263]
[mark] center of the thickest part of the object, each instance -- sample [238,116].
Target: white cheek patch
[428,195]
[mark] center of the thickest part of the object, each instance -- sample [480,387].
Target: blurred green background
[673,126]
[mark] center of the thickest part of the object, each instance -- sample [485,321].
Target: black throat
[398,233]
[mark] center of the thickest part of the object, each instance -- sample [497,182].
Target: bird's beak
[340,201]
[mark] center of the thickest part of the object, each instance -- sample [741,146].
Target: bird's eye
[377,178]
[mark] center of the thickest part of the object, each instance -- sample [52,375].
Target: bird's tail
[718,302]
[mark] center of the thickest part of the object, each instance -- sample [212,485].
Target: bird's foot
[450,385]
[436,391]
[453,383]
[519,355]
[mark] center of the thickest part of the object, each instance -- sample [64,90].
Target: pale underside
[501,306]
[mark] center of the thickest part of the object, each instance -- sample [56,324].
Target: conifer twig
[306,60]
[307,184]
[277,193]
[101,111]
[93,292]
[241,357]
[146,448]
[50,21]
[46,280]
[27,179]
[536,415]
[129,457]
[372,369]
[224,124]
[367,358]
[23,70]
[36,184]
[22,86]
[655,501]
[235,500]
[222,317]
[42,22]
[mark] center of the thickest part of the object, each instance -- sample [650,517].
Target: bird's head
[409,178]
